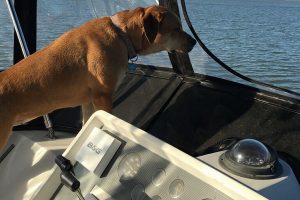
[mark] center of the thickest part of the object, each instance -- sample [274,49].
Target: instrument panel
[137,166]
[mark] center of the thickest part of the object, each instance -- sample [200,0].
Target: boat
[173,134]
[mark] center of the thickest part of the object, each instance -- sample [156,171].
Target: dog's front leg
[103,102]
[5,131]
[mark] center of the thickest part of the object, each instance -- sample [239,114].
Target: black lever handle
[67,176]
[69,180]
[64,164]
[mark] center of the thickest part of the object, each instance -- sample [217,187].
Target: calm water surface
[259,38]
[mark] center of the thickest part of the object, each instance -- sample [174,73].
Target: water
[258,38]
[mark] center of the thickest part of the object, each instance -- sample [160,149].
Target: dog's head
[161,30]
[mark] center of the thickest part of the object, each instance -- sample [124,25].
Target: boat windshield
[260,39]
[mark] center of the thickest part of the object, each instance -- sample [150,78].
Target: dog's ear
[151,23]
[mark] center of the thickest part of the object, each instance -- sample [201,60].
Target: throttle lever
[67,176]
[64,164]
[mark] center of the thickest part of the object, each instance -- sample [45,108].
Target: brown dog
[85,64]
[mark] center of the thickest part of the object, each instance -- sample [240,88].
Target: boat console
[110,159]
[115,160]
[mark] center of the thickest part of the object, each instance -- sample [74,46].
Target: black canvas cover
[195,113]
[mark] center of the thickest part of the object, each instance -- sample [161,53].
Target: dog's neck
[128,42]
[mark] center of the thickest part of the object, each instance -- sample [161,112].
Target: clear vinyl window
[6,37]
[259,39]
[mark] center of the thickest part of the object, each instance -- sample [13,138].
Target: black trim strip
[5,154]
